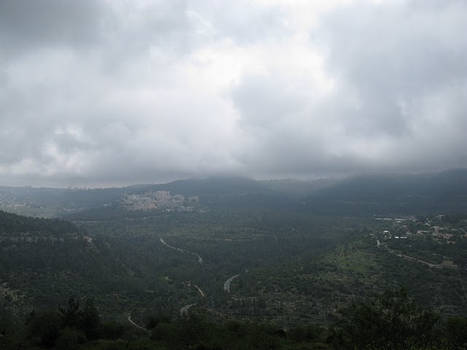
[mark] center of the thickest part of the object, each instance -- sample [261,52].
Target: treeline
[12,223]
[391,321]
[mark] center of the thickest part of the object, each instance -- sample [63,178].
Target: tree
[44,328]
[89,320]
[392,321]
[70,313]
[456,332]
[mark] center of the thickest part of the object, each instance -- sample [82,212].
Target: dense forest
[390,321]
[236,264]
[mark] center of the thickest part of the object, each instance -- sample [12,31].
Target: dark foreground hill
[43,261]
[390,321]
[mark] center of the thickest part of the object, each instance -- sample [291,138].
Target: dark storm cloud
[113,92]
[28,24]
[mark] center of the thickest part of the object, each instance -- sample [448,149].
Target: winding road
[200,291]
[184,310]
[200,259]
[135,324]
[229,282]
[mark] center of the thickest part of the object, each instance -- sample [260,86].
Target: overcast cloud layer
[118,92]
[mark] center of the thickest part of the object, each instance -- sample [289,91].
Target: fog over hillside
[101,93]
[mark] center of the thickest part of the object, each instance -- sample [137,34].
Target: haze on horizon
[121,92]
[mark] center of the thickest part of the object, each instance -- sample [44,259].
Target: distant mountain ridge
[361,195]
[394,194]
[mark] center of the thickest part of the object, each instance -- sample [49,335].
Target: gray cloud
[26,25]
[115,92]
[397,54]
[400,77]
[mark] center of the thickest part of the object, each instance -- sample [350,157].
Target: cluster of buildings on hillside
[434,228]
[162,200]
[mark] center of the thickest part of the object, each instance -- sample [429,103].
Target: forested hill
[43,261]
[444,192]
[12,223]
[379,194]
[52,202]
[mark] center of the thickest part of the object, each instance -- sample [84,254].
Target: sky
[116,92]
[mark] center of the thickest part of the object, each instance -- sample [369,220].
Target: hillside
[444,192]
[44,261]
[381,194]
[214,192]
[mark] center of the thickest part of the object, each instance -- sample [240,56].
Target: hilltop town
[162,200]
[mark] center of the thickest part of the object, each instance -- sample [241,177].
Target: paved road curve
[184,309]
[135,324]
[200,259]
[200,291]
[229,282]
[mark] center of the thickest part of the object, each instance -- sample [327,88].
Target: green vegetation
[292,267]
[218,265]
[389,321]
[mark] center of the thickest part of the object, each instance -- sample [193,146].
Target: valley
[244,254]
